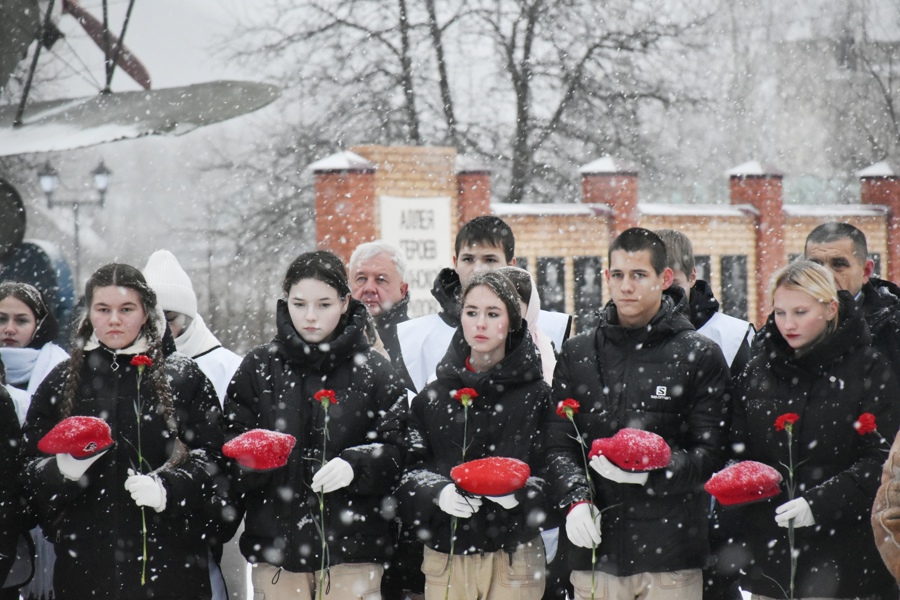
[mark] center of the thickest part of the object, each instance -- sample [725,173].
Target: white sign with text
[420,227]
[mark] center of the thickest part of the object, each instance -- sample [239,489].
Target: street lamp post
[49,179]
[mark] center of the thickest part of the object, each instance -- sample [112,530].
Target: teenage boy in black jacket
[644,367]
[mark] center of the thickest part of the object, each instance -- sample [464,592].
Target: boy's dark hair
[321,265]
[638,239]
[679,250]
[487,230]
[827,233]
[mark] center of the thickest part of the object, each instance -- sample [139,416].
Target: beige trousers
[675,585]
[351,581]
[493,576]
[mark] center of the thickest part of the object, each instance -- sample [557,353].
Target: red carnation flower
[865,424]
[142,360]
[325,397]
[567,408]
[786,420]
[465,396]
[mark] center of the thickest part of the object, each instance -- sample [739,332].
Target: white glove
[797,509]
[146,490]
[336,473]
[455,504]
[583,525]
[610,471]
[508,501]
[73,468]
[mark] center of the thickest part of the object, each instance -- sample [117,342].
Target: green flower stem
[454,521]
[587,474]
[321,591]
[791,492]
[138,407]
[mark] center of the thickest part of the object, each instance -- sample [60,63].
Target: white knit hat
[172,285]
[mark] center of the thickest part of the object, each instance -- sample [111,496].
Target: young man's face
[635,287]
[850,273]
[478,258]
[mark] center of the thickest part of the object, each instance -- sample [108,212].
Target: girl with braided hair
[130,521]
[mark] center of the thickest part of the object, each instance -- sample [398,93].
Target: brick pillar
[880,186]
[760,187]
[345,203]
[473,196]
[613,183]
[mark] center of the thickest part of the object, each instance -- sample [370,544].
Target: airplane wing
[77,123]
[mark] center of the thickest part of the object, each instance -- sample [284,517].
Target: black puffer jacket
[274,389]
[503,421]
[13,519]
[387,322]
[665,378]
[881,310]
[703,307]
[837,471]
[446,291]
[94,523]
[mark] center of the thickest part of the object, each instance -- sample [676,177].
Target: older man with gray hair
[377,273]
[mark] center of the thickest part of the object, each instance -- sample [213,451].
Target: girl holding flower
[127,522]
[320,381]
[487,401]
[797,407]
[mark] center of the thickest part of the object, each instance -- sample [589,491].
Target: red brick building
[739,245]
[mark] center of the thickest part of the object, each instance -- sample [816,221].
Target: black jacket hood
[325,356]
[851,334]
[703,305]
[446,290]
[671,318]
[522,364]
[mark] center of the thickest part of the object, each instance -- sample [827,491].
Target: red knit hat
[747,481]
[260,449]
[82,437]
[492,476]
[634,450]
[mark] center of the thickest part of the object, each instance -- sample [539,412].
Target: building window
[701,263]
[734,286]
[588,292]
[876,258]
[522,262]
[551,281]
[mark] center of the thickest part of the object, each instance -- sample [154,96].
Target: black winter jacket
[703,305]
[881,310]
[13,519]
[274,389]
[665,378]
[836,470]
[446,290]
[503,421]
[94,523]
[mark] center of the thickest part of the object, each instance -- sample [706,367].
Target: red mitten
[82,437]
[747,481]
[634,450]
[260,449]
[492,476]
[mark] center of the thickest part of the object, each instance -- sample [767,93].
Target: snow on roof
[608,165]
[342,161]
[753,168]
[879,169]
[468,164]
[700,210]
[834,210]
[507,209]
